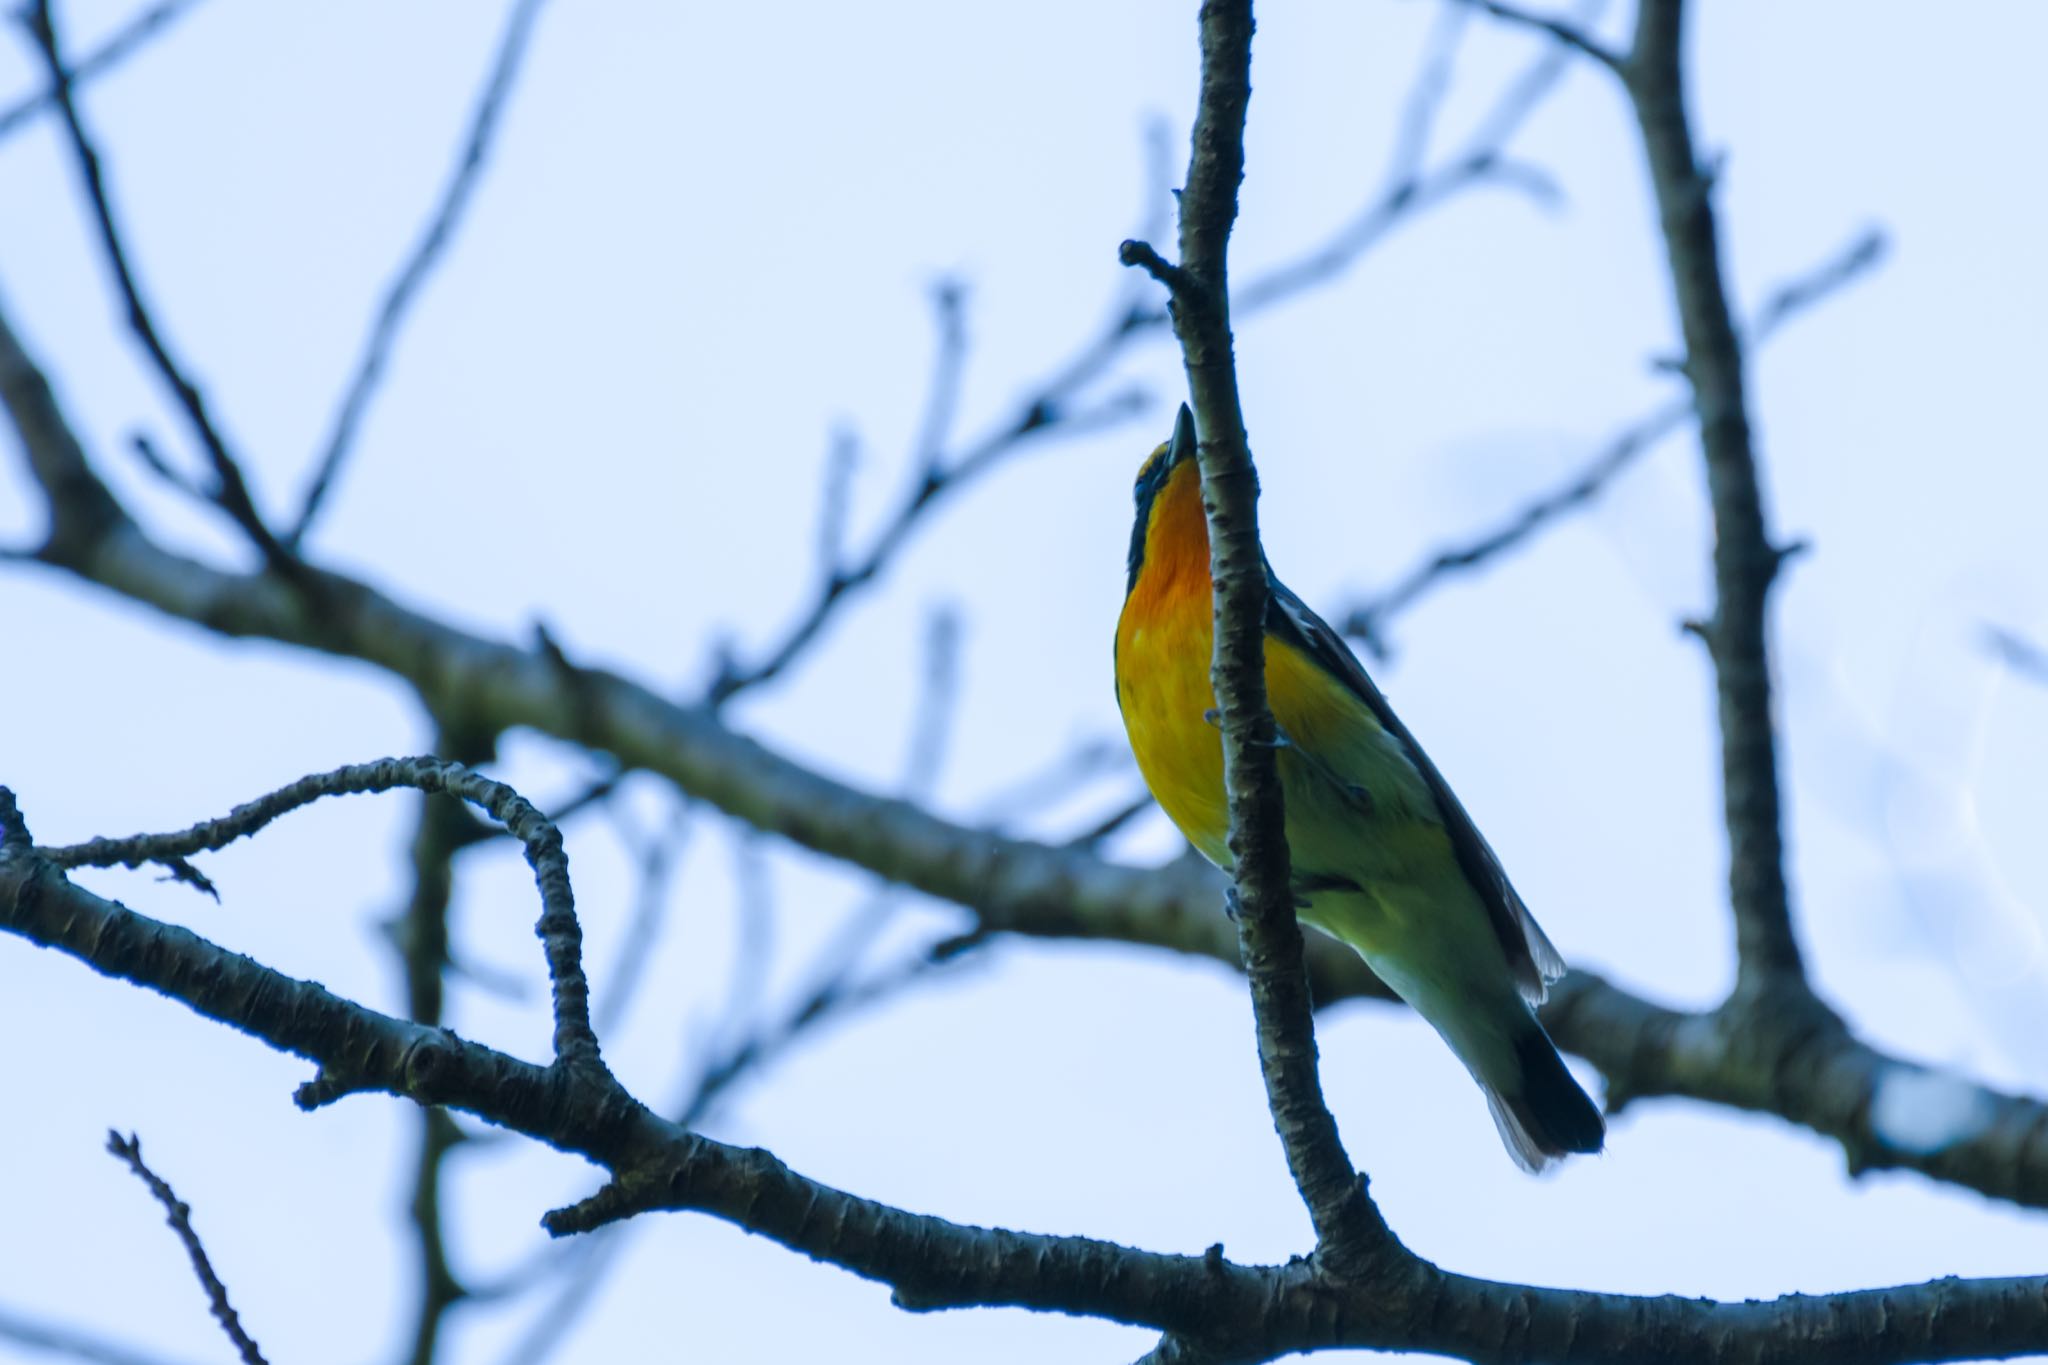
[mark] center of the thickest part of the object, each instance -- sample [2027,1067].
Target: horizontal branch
[1238,1312]
[560,935]
[1011,885]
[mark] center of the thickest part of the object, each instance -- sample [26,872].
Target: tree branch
[426,254]
[60,1339]
[1410,190]
[1569,34]
[937,475]
[1238,1312]
[1011,885]
[1349,1230]
[179,1216]
[231,490]
[132,37]
[1368,620]
[561,937]
[1745,559]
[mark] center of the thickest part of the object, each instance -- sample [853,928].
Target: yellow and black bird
[1385,859]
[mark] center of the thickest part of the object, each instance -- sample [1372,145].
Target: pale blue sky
[705,241]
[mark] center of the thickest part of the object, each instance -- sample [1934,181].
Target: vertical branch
[1348,1226]
[1745,559]
[420,934]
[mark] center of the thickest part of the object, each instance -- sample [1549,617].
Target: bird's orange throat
[1176,563]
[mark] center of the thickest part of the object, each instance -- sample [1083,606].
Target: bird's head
[1170,466]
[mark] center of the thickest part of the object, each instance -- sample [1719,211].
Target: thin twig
[1746,561]
[130,39]
[585,1262]
[1410,188]
[72,1343]
[598,791]
[179,1215]
[419,264]
[1570,34]
[938,476]
[560,935]
[744,1043]
[1051,404]
[1368,620]
[231,491]
[657,858]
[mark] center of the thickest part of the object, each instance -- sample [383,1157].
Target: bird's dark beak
[1182,446]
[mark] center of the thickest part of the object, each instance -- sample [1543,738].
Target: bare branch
[72,1343]
[1745,559]
[1368,620]
[657,857]
[585,1261]
[1409,192]
[420,936]
[1410,188]
[231,491]
[1349,1231]
[179,1216]
[1238,1311]
[560,935]
[1563,31]
[1012,885]
[132,38]
[419,264]
[937,475]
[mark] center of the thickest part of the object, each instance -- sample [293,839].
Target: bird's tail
[1540,1110]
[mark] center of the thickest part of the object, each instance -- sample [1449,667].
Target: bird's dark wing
[1531,956]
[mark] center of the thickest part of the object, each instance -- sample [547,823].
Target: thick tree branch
[179,1215]
[1349,1230]
[1238,1312]
[1011,885]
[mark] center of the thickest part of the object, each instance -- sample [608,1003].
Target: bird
[1385,858]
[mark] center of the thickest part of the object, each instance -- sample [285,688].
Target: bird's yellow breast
[1163,654]
[1164,642]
